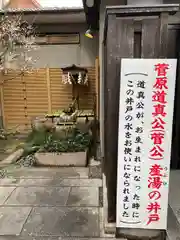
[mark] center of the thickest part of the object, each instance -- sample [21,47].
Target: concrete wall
[82,54]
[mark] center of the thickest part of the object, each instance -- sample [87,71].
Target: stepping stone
[5,192]
[61,182]
[83,196]
[67,172]
[63,221]
[39,196]
[12,219]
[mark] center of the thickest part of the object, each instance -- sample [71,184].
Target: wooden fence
[38,93]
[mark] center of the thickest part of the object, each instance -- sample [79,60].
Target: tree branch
[9,79]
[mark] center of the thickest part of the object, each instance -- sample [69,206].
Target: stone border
[109,228]
[13,157]
[68,159]
[173,226]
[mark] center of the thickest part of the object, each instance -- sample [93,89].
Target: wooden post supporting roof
[130,32]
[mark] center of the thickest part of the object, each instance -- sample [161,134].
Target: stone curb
[109,228]
[13,157]
[76,159]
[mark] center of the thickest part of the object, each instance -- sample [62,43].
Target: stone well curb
[13,157]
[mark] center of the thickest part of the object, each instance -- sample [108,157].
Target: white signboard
[144,147]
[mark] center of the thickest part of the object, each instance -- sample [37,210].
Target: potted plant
[71,150]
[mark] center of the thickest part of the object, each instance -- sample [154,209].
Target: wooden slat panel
[37,98]
[87,93]
[61,95]
[72,38]
[13,101]
[63,39]
[27,96]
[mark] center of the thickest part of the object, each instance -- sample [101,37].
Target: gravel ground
[95,172]
[27,161]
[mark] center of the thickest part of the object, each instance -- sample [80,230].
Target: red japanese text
[156,153]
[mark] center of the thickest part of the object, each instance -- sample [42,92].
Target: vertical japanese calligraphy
[138,133]
[144,144]
[129,101]
[156,154]
[133,142]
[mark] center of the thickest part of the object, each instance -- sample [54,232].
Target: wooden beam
[150,30]
[163,35]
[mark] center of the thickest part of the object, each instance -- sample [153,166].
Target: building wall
[83,54]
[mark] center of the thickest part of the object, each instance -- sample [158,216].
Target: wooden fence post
[2,123]
[49,90]
[97,86]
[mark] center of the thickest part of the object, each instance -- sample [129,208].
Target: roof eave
[41,11]
[48,16]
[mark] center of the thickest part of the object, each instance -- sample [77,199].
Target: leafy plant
[43,141]
[77,142]
[55,114]
[38,138]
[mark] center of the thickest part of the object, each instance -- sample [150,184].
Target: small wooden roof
[22,4]
[74,68]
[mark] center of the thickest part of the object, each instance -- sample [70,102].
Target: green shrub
[52,142]
[39,138]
